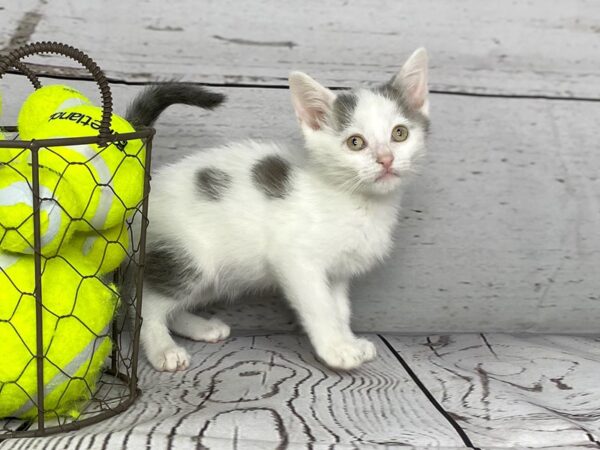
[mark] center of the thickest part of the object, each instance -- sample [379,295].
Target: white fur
[335,223]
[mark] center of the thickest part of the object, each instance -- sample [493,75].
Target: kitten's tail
[153,100]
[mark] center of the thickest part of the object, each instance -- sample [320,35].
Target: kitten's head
[366,140]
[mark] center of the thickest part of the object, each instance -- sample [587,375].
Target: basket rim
[14,57]
[76,424]
[141,133]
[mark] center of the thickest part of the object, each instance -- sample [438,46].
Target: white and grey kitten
[251,216]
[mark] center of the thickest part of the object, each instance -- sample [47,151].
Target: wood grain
[499,233]
[513,391]
[18,21]
[269,392]
[524,48]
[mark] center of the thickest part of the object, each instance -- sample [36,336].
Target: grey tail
[153,100]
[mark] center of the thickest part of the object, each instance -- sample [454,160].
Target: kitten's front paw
[348,354]
[368,349]
[170,359]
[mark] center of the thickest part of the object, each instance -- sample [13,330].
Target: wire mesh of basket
[70,278]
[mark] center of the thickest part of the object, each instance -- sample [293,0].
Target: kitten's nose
[385,160]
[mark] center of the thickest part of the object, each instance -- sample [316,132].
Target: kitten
[251,216]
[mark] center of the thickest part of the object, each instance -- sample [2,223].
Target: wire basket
[70,294]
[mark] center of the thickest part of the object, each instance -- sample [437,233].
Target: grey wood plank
[18,21]
[513,391]
[499,233]
[269,392]
[261,392]
[525,48]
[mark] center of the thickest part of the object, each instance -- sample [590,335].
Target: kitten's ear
[312,102]
[412,81]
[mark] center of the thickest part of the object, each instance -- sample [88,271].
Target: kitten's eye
[356,142]
[400,133]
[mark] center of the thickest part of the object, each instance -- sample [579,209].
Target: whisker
[350,184]
[354,187]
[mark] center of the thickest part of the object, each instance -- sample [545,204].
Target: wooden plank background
[511,391]
[500,231]
[526,48]
[447,392]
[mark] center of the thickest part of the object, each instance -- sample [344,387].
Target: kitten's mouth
[387,175]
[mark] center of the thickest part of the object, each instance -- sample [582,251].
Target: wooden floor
[443,391]
[499,234]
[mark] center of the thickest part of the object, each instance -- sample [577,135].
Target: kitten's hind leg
[160,348]
[194,327]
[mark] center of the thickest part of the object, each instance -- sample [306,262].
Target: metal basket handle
[13,58]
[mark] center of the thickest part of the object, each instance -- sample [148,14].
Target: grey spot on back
[343,109]
[171,271]
[271,175]
[212,182]
[397,96]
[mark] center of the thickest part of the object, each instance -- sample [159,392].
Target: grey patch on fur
[212,182]
[343,109]
[171,271]
[272,176]
[397,96]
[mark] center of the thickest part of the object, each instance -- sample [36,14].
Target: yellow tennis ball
[76,327]
[42,103]
[78,166]
[10,154]
[109,179]
[7,154]
[59,203]
[101,251]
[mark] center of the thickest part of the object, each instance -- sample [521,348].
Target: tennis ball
[59,204]
[109,179]
[10,155]
[6,154]
[76,325]
[101,251]
[42,103]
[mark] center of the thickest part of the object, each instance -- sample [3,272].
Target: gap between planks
[76,74]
